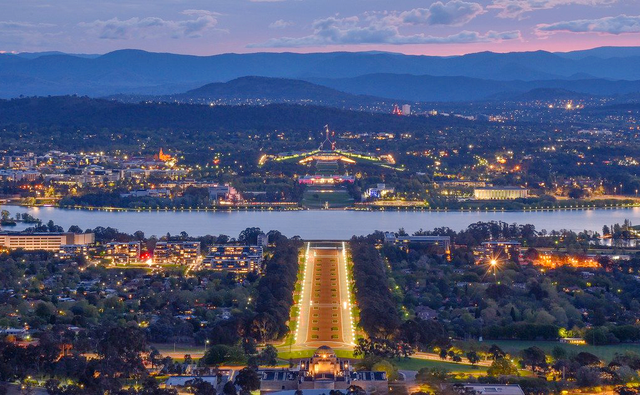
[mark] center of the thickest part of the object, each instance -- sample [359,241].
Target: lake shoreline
[353,208]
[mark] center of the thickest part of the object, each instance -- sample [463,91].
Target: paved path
[325,303]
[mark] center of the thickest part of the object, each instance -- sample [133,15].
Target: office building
[48,241]
[233,258]
[176,252]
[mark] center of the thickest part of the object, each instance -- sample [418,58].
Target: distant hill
[427,88]
[547,94]
[140,72]
[264,90]
[602,52]
[75,113]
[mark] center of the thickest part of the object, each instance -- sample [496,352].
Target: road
[325,304]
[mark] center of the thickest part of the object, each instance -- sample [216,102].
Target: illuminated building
[221,193]
[161,156]
[509,250]
[123,253]
[377,192]
[485,389]
[237,259]
[406,109]
[500,193]
[324,180]
[323,371]
[43,241]
[176,252]
[69,251]
[327,151]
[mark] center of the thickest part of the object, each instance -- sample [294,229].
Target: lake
[319,224]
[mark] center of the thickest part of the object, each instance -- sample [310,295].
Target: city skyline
[413,27]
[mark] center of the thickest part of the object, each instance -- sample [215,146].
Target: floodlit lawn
[336,198]
[179,348]
[284,354]
[603,352]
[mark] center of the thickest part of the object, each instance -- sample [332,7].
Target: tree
[249,236]
[496,352]
[229,388]
[387,367]
[432,375]
[535,358]
[587,359]
[216,354]
[200,387]
[268,356]
[473,357]
[559,352]
[588,376]
[248,380]
[502,367]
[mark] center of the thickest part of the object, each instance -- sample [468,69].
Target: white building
[500,193]
[43,241]
[406,109]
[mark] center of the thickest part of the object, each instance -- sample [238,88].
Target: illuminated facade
[325,180]
[123,253]
[175,252]
[500,193]
[324,370]
[500,250]
[237,259]
[328,152]
[70,251]
[48,241]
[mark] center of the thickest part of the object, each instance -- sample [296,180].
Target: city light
[302,294]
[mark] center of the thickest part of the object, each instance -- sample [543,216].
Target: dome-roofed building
[324,370]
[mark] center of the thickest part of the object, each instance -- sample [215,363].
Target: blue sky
[205,27]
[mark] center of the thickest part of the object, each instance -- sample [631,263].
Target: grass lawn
[336,197]
[179,348]
[285,354]
[417,364]
[603,352]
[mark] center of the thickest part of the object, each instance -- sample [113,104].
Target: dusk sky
[206,27]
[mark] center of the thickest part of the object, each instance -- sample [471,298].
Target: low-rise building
[378,192]
[48,241]
[177,252]
[493,389]
[501,250]
[500,193]
[233,258]
[69,251]
[123,252]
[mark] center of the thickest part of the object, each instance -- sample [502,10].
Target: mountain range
[475,76]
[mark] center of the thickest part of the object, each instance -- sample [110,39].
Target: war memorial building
[323,371]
